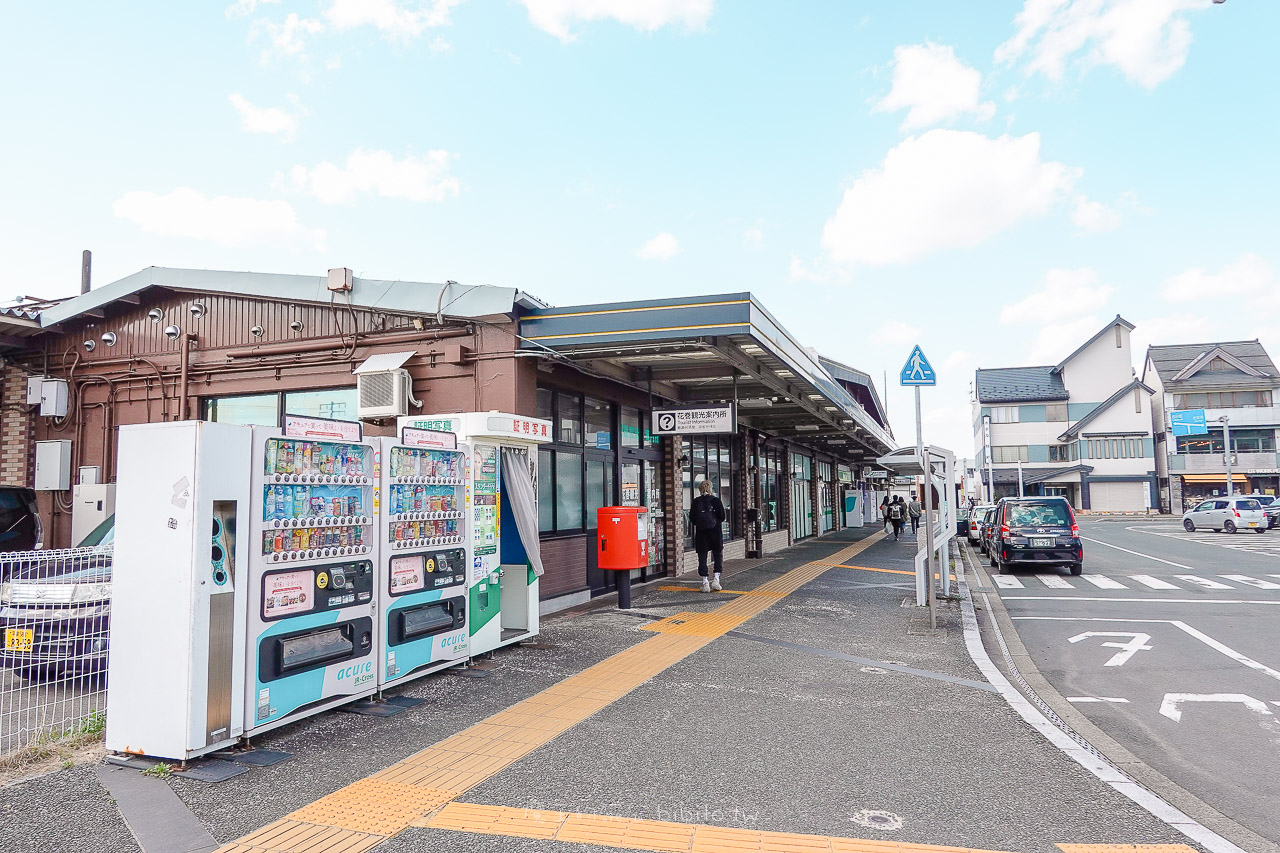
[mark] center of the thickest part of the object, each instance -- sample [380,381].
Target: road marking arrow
[1138,643]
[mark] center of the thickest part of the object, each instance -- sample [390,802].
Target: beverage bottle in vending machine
[299,501]
[268,543]
[284,458]
[278,544]
[272,449]
[277,501]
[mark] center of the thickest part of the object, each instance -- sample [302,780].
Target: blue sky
[992,180]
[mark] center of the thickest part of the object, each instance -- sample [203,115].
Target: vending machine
[425,555]
[312,627]
[502,487]
[175,685]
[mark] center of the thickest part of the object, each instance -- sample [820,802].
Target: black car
[984,529]
[20,528]
[1037,532]
[55,608]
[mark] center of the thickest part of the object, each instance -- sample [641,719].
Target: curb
[1146,786]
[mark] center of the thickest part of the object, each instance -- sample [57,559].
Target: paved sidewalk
[803,706]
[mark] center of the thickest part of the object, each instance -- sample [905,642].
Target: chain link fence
[55,624]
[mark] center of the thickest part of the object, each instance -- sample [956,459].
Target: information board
[485,521]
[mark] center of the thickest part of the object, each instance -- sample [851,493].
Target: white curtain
[523,502]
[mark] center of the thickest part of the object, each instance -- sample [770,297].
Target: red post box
[622,544]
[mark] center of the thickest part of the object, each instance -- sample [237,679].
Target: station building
[173,344]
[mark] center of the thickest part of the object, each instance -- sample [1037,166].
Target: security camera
[109,338]
[155,315]
[172,332]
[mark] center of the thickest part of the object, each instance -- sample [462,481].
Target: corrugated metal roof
[1019,385]
[451,299]
[1168,362]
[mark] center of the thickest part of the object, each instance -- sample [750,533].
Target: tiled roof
[1168,361]
[1019,385]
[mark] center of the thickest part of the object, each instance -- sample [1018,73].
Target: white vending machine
[422,591]
[502,484]
[312,626]
[179,588]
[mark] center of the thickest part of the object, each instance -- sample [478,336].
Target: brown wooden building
[169,344]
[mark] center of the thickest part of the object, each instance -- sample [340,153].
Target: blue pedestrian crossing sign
[917,370]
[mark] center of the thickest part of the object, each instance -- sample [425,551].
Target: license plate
[1046,542]
[18,639]
[1253,524]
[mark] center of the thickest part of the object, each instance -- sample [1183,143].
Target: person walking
[897,513]
[707,514]
[914,511]
[884,511]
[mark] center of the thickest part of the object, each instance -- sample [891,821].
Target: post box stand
[622,544]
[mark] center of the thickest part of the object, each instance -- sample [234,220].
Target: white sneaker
[715,583]
[706,585]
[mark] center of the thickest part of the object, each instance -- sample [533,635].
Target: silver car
[1229,514]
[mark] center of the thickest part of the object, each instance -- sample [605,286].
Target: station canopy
[716,349]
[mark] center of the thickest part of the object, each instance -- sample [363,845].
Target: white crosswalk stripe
[1258,582]
[1154,583]
[1007,581]
[1103,582]
[1204,582]
[1054,581]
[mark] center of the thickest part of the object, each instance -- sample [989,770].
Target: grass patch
[159,771]
[52,752]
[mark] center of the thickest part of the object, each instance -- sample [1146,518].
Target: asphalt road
[1168,643]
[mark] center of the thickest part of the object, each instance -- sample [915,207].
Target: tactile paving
[667,837]
[1126,848]
[375,806]
[291,836]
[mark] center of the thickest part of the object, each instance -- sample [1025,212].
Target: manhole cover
[885,821]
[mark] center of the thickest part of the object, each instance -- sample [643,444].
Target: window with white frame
[1010,453]
[1004,414]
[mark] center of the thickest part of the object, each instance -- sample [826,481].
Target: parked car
[55,608]
[1270,506]
[20,528]
[1036,532]
[984,530]
[1229,514]
[975,520]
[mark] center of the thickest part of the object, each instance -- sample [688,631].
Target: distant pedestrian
[884,512]
[914,511]
[707,513]
[897,511]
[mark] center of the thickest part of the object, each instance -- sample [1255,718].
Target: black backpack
[895,512]
[704,513]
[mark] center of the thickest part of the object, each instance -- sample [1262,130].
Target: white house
[1080,429]
[1232,379]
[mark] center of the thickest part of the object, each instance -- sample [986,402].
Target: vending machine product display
[502,521]
[422,594]
[312,631]
[179,586]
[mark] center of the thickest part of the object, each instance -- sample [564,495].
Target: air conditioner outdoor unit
[384,389]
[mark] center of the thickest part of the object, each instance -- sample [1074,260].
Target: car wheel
[38,673]
[1076,568]
[1230,527]
[1004,568]
[1262,530]
[991,558]
[1188,525]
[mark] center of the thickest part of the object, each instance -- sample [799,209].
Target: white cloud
[1058,340]
[1064,294]
[244,8]
[270,120]
[753,237]
[395,20]
[288,38]
[424,178]
[662,247]
[556,16]
[1095,217]
[1147,40]
[896,332]
[933,86]
[944,189]
[224,220]
[1249,274]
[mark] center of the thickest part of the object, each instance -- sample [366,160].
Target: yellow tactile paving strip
[636,834]
[384,804]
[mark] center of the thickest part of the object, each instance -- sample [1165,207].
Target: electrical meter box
[91,504]
[53,398]
[53,466]
[622,541]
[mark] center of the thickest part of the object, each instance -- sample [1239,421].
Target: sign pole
[1226,446]
[928,514]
